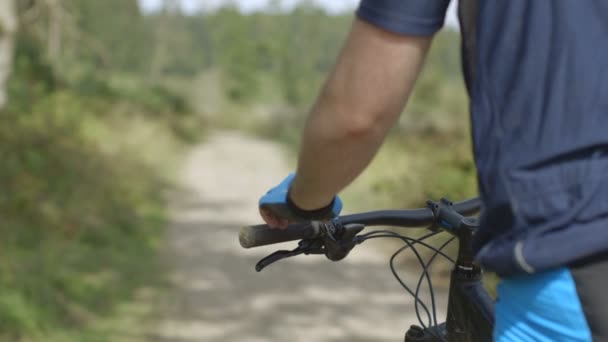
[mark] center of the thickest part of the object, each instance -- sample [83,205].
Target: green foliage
[296,50]
[234,53]
[77,222]
[81,219]
[33,77]
[85,139]
[290,54]
[85,149]
[110,33]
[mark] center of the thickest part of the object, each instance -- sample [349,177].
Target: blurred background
[135,139]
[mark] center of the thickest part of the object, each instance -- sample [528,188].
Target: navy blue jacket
[537,75]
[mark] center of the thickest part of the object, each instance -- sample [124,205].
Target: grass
[82,217]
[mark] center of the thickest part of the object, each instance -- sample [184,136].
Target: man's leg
[591,279]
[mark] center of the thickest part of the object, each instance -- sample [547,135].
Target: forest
[101,100]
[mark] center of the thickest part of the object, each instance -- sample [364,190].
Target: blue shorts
[565,304]
[540,307]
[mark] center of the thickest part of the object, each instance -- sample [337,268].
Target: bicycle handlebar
[408,218]
[261,235]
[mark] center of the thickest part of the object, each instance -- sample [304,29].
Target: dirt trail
[218,296]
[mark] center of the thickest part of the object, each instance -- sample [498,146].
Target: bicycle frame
[470,315]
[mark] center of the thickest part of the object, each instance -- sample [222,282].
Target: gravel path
[217,295]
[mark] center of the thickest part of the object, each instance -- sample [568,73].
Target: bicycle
[470,314]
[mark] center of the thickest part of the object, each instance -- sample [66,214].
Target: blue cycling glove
[277,201]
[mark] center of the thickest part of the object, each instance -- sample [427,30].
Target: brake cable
[428,264]
[410,242]
[338,240]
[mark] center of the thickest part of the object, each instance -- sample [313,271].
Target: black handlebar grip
[262,235]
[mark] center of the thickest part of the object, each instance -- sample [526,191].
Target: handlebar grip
[262,235]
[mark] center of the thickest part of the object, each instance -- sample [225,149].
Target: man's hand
[278,209]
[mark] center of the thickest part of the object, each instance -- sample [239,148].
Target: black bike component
[261,235]
[434,334]
[467,227]
[425,273]
[470,308]
[340,240]
[415,333]
[445,215]
[304,247]
[454,223]
[422,276]
[391,234]
[408,218]
[335,241]
[410,242]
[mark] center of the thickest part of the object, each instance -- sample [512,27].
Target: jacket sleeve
[407,17]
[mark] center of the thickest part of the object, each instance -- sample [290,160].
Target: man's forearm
[359,104]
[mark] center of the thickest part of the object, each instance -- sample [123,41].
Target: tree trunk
[169,9]
[54,33]
[8,28]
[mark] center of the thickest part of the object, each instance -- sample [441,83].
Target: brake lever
[336,244]
[306,247]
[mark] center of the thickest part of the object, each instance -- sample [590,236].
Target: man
[537,76]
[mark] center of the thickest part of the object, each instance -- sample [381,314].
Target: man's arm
[360,102]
